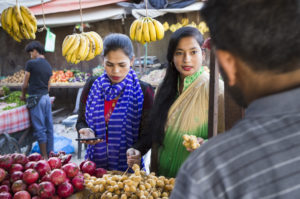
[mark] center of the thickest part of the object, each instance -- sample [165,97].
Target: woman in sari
[180,106]
[113,106]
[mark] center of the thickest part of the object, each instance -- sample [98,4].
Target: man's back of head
[262,35]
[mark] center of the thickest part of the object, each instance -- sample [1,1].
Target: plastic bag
[61,143]
[50,41]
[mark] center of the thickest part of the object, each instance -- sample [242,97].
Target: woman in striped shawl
[180,106]
[114,107]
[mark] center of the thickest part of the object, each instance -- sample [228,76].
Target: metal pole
[213,96]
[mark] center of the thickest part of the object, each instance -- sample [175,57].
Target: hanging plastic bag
[50,41]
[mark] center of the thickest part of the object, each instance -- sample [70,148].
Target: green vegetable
[6,90]
[14,97]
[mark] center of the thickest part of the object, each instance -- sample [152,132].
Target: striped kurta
[259,158]
[123,125]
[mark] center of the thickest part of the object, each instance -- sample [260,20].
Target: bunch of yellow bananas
[82,47]
[184,21]
[202,27]
[146,29]
[19,22]
[166,26]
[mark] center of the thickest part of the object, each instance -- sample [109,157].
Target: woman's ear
[228,63]
[132,61]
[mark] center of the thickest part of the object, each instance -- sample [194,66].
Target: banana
[146,33]
[74,55]
[68,57]
[173,28]
[143,39]
[18,15]
[16,29]
[15,37]
[184,21]
[152,30]
[166,26]
[19,18]
[24,32]
[8,18]
[3,23]
[82,48]
[139,31]
[74,45]
[132,29]
[67,43]
[77,61]
[30,16]
[98,42]
[160,32]
[87,49]
[29,27]
[92,47]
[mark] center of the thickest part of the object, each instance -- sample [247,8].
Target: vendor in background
[114,106]
[180,106]
[37,81]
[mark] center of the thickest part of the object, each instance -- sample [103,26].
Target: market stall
[15,131]
[58,177]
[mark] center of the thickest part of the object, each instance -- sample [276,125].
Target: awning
[88,15]
[58,6]
[28,3]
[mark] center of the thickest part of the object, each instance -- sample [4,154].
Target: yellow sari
[187,115]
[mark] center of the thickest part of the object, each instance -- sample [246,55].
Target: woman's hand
[89,133]
[200,141]
[133,157]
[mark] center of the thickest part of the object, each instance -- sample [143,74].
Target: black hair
[264,34]
[167,92]
[117,41]
[35,45]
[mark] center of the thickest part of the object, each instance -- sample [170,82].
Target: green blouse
[189,80]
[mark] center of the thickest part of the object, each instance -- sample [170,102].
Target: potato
[126,188]
[123,196]
[132,189]
[165,194]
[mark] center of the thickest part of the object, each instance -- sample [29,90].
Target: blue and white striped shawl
[123,125]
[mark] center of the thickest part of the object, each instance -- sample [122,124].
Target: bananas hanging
[146,29]
[82,47]
[19,22]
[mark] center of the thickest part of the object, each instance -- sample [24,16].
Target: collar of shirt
[189,80]
[286,102]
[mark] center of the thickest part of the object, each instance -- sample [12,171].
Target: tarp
[156,13]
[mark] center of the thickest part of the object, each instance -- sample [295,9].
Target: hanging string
[81,16]
[44,27]
[17,3]
[146,8]
[146,44]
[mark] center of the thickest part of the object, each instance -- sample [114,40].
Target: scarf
[124,123]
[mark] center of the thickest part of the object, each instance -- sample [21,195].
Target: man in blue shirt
[37,81]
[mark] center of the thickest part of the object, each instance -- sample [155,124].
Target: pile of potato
[136,185]
[190,142]
[17,77]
